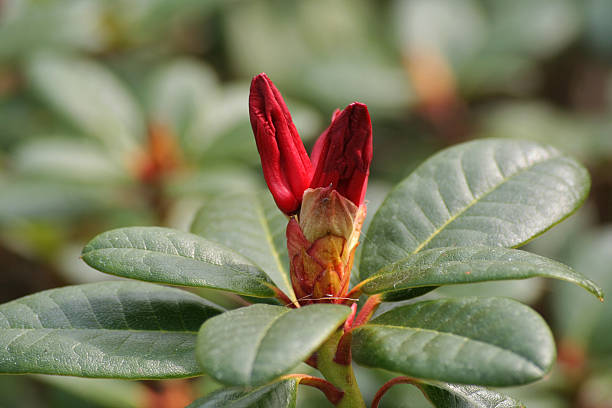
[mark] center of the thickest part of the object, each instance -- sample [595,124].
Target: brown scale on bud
[322,241]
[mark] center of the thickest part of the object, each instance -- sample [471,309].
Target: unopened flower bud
[341,156]
[322,245]
[284,160]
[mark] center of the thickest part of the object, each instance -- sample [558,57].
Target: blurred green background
[118,113]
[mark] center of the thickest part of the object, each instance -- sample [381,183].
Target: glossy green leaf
[282,394]
[165,255]
[108,329]
[256,344]
[448,266]
[492,192]
[444,395]
[251,225]
[484,341]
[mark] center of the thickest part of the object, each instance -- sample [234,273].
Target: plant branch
[341,375]
[343,352]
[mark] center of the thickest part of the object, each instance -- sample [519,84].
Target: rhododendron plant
[456,219]
[323,195]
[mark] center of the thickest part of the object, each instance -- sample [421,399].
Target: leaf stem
[333,394]
[280,295]
[386,386]
[343,352]
[341,375]
[367,310]
[355,292]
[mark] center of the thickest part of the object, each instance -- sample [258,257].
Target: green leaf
[444,395]
[180,93]
[448,266]
[109,329]
[256,344]
[210,182]
[484,341]
[251,225]
[170,256]
[90,96]
[581,322]
[47,200]
[28,27]
[282,394]
[65,158]
[492,192]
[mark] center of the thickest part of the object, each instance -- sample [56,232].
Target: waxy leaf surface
[108,329]
[487,192]
[484,341]
[256,344]
[170,256]
[448,266]
[443,395]
[252,225]
[281,394]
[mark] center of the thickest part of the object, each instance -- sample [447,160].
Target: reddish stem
[343,352]
[280,295]
[355,292]
[312,360]
[349,320]
[333,394]
[387,385]
[367,310]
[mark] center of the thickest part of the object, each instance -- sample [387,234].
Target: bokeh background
[117,113]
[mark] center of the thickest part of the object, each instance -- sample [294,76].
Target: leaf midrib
[537,271]
[463,338]
[445,264]
[477,199]
[180,256]
[560,272]
[259,342]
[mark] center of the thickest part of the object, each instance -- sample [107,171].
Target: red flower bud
[341,156]
[323,232]
[286,166]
